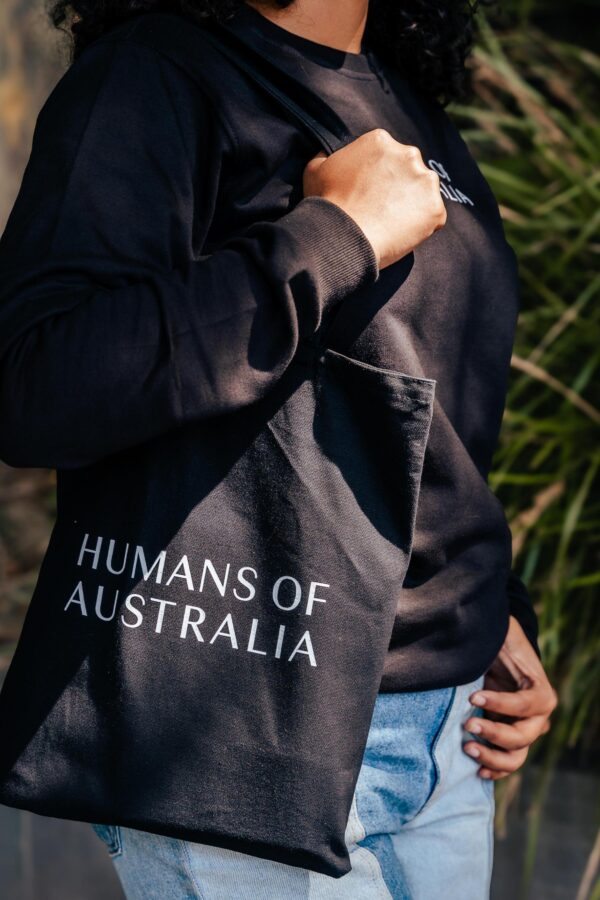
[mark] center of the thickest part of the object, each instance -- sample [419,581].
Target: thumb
[316,162]
[310,172]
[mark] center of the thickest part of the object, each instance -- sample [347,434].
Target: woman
[138,170]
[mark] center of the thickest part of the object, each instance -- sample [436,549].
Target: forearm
[125,365]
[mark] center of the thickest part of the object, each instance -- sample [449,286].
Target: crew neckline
[247,18]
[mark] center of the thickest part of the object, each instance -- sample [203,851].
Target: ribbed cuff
[334,247]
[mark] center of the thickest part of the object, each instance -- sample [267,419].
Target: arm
[112,333]
[517,702]
[517,697]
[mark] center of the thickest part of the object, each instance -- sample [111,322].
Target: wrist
[332,246]
[359,220]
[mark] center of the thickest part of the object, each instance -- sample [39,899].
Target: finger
[497,760]
[522,704]
[508,737]
[492,775]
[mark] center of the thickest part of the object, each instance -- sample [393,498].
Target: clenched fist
[385,187]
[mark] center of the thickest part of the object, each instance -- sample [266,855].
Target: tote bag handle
[306,107]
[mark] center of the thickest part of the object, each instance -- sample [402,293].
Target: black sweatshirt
[160,264]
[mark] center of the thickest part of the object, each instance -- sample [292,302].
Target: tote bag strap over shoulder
[304,106]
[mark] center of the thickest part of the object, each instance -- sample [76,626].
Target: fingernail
[484,774]
[475,728]
[478,700]
[472,751]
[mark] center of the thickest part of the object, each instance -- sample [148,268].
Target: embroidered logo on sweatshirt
[447,191]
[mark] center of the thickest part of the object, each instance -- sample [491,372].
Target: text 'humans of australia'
[204,625]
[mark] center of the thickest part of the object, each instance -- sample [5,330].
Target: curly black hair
[428,40]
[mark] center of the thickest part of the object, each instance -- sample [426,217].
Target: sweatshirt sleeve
[113,328]
[521,608]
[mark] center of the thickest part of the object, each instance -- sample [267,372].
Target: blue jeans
[420,827]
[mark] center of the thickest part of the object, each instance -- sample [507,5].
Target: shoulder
[136,79]
[175,38]
[135,51]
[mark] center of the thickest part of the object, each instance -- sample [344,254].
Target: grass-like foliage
[535,129]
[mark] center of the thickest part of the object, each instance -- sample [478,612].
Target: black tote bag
[205,643]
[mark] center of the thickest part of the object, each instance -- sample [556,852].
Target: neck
[335,23]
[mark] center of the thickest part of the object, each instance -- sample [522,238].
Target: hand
[518,700]
[385,187]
